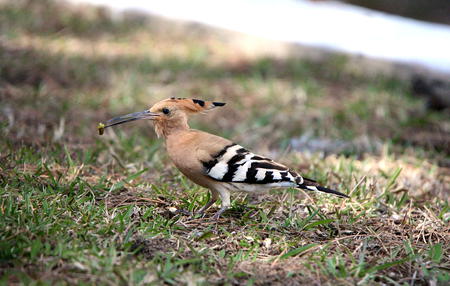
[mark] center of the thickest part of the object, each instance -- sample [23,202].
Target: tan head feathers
[194,105]
[168,115]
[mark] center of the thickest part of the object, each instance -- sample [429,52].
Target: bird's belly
[190,167]
[254,188]
[196,177]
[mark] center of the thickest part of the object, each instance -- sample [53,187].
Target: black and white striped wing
[235,164]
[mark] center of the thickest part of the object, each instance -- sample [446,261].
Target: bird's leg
[225,197]
[212,200]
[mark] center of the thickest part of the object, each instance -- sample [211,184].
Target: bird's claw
[217,215]
[190,214]
[183,212]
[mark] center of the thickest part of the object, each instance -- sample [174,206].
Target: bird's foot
[217,215]
[198,213]
[183,212]
[192,215]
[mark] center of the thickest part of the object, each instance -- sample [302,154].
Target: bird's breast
[183,155]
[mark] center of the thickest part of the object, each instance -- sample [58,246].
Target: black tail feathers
[315,187]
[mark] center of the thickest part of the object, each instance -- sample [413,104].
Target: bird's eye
[166,110]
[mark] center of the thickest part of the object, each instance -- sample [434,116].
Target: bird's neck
[168,128]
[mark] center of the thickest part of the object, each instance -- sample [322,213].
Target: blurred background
[329,25]
[67,65]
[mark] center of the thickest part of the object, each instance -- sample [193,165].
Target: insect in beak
[146,114]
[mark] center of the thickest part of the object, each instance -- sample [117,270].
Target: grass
[81,209]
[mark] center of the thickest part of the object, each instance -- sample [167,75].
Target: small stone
[396,217]
[267,242]
[249,238]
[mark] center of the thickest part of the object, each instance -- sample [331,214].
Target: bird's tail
[311,185]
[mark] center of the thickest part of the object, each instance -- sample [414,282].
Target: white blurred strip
[331,25]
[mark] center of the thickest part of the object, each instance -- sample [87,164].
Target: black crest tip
[219,103]
[199,102]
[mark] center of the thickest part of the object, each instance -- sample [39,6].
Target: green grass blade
[436,252]
[317,223]
[393,178]
[298,251]
[387,265]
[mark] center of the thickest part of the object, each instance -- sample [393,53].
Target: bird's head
[168,115]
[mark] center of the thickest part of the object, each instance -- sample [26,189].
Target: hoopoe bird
[211,161]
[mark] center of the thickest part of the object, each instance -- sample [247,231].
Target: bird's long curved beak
[146,114]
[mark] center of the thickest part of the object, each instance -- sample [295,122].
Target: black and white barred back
[235,164]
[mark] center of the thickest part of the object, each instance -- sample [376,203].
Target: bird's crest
[194,105]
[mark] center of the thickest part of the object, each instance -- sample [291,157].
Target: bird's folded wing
[235,164]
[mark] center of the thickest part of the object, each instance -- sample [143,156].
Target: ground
[77,207]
